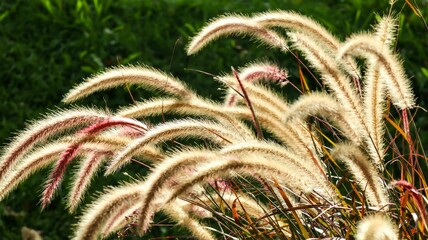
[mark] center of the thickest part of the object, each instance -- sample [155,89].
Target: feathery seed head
[332,76]
[255,92]
[48,127]
[293,167]
[392,72]
[323,105]
[194,106]
[234,25]
[57,173]
[166,171]
[256,72]
[377,226]
[364,172]
[300,23]
[386,30]
[374,110]
[170,130]
[268,71]
[138,75]
[87,169]
[31,163]
[182,216]
[99,212]
[222,167]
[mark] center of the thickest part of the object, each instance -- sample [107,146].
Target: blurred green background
[48,46]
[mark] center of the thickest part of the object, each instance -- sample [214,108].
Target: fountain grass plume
[40,131]
[234,25]
[317,166]
[376,226]
[120,76]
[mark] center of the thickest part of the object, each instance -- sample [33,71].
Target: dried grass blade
[414,9]
[398,128]
[235,213]
[41,130]
[293,212]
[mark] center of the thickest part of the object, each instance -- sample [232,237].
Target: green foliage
[47,46]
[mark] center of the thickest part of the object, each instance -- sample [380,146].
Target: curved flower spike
[234,25]
[392,72]
[376,227]
[120,76]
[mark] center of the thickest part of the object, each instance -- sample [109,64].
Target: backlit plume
[254,165]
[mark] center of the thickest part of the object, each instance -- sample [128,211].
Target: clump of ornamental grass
[341,160]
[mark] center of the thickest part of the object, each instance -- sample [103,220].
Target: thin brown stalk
[250,106]
[256,72]
[272,108]
[250,208]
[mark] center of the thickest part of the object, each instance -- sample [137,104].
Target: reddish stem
[247,99]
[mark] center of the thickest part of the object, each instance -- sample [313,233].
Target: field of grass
[48,46]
